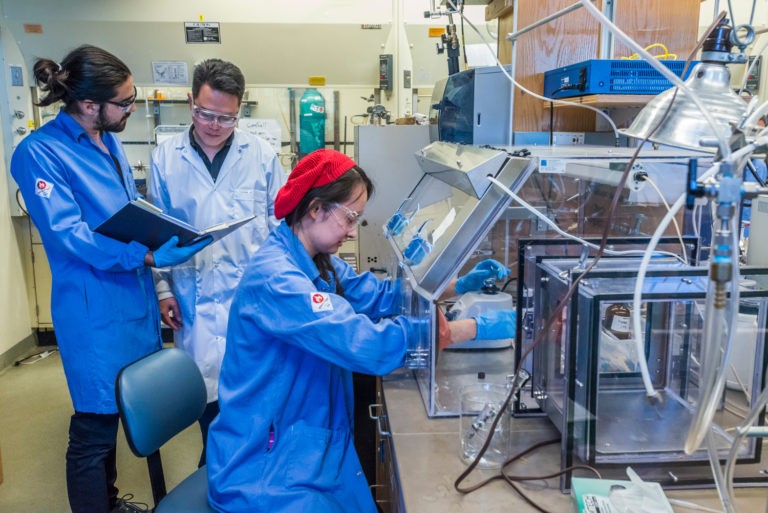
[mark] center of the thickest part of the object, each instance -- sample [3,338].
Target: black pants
[211,410]
[91,465]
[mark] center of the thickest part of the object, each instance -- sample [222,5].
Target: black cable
[511,280]
[568,87]
[513,480]
[551,123]
[18,202]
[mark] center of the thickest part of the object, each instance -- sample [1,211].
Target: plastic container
[480,406]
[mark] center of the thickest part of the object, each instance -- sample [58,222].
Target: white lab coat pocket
[248,202]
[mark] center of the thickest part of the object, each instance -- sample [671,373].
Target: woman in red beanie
[301,322]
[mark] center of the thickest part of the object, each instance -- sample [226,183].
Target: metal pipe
[336,120]
[292,119]
[514,35]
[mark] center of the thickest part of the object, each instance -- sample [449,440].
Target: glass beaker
[480,406]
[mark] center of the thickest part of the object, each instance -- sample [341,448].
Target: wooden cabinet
[576,37]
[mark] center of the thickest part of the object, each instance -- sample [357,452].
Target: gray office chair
[158,397]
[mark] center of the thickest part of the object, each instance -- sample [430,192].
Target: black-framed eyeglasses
[210,116]
[124,105]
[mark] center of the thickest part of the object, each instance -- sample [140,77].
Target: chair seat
[190,496]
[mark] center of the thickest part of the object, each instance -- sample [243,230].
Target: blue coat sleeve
[58,216]
[281,306]
[366,293]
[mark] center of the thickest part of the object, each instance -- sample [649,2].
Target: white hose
[636,303]
[641,272]
[616,31]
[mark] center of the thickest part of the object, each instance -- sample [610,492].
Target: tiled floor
[34,419]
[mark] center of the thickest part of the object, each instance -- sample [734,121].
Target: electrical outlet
[567,138]
[17,76]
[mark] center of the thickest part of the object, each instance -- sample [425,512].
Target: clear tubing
[528,91]
[641,272]
[616,31]
[717,473]
[713,365]
[741,434]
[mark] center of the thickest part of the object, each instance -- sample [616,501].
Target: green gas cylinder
[311,121]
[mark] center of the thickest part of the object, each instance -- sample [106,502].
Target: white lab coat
[204,286]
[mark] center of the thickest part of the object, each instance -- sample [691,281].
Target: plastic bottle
[311,121]
[617,320]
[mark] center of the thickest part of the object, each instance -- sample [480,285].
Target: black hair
[86,73]
[338,191]
[220,76]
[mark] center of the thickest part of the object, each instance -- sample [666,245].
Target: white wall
[741,11]
[278,44]
[15,271]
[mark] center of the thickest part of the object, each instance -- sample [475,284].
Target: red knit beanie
[319,168]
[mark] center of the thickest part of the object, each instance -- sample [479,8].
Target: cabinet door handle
[377,417]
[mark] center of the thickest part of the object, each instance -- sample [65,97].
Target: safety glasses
[351,218]
[209,116]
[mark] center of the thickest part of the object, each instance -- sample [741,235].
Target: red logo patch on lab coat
[320,301]
[43,188]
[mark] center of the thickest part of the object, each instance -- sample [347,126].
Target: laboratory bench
[418,462]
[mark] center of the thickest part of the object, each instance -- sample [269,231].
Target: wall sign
[202,32]
[169,72]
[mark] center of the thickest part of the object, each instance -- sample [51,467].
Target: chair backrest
[159,396]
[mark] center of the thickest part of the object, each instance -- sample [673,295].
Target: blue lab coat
[292,345]
[204,285]
[103,300]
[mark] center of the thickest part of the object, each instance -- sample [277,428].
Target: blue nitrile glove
[496,324]
[171,254]
[474,279]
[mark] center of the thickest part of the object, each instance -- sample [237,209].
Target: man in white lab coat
[210,174]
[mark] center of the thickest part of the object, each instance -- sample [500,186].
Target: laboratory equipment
[468,220]
[587,380]
[609,76]
[674,118]
[457,208]
[472,107]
